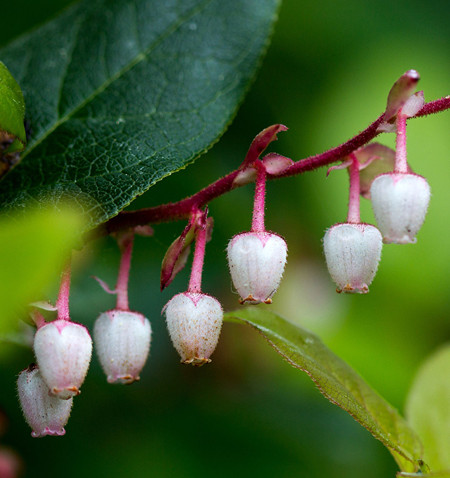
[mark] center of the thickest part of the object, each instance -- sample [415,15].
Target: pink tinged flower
[352,252]
[122,340]
[63,351]
[256,261]
[46,414]
[194,321]
[400,202]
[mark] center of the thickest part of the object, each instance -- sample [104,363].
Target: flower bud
[63,351]
[256,261]
[400,202]
[122,341]
[46,414]
[352,252]
[194,321]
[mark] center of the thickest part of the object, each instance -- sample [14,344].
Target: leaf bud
[46,414]
[352,252]
[122,340]
[63,351]
[194,321]
[400,203]
[256,261]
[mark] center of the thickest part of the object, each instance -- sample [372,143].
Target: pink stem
[401,161]
[260,198]
[435,106]
[124,274]
[62,303]
[195,282]
[353,216]
[183,209]
[38,319]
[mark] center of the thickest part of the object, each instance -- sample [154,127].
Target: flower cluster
[63,352]
[256,259]
[399,199]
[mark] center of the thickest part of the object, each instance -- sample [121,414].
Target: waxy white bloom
[122,340]
[400,203]
[256,261]
[63,351]
[194,321]
[46,414]
[352,252]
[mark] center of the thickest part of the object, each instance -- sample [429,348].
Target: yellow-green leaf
[12,111]
[34,247]
[338,382]
[428,409]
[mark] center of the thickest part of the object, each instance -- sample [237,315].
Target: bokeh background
[326,76]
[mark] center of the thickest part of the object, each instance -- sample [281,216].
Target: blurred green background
[326,76]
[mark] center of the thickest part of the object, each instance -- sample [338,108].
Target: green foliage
[338,382]
[428,409]
[440,474]
[121,94]
[12,109]
[34,249]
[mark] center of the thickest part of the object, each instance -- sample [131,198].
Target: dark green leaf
[428,408]
[12,111]
[338,382]
[121,94]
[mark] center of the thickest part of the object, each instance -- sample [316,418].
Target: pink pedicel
[352,252]
[45,413]
[400,202]
[63,351]
[256,261]
[194,321]
[122,341]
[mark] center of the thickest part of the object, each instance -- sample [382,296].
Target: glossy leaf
[12,108]
[428,408]
[121,94]
[338,382]
[34,249]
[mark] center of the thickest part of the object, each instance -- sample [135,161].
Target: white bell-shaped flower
[122,341]
[194,321]
[256,261]
[63,351]
[352,252]
[46,414]
[400,203]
